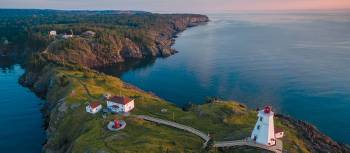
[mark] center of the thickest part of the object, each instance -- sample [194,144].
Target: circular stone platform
[111,124]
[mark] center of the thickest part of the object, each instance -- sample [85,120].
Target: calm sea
[297,62]
[21,129]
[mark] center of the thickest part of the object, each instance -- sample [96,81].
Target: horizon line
[199,11]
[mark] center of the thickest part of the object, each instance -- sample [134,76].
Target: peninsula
[61,52]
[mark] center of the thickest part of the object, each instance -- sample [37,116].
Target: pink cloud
[286,4]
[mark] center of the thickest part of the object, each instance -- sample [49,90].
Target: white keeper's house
[120,104]
[93,107]
[264,131]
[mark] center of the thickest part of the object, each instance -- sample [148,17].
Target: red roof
[120,100]
[278,130]
[267,109]
[94,104]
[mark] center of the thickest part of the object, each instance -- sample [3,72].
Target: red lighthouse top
[267,109]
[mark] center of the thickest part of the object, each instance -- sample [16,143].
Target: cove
[21,121]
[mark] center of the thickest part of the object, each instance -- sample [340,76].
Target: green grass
[79,131]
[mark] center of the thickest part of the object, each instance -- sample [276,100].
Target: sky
[179,5]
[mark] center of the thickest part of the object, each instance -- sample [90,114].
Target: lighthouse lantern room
[264,130]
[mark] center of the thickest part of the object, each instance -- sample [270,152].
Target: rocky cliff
[317,141]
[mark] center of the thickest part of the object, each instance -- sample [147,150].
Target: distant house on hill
[52,33]
[120,104]
[93,107]
[89,34]
[68,35]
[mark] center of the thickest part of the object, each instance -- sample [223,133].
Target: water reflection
[130,65]
[21,121]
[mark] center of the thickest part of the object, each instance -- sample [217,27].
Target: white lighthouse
[264,131]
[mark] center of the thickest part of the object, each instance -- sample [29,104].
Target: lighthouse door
[255,137]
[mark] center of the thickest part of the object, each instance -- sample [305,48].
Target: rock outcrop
[318,142]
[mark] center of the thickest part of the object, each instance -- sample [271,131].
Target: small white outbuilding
[93,107]
[279,133]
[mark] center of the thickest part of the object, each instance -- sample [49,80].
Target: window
[261,118]
[258,127]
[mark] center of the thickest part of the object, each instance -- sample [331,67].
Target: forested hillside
[118,35]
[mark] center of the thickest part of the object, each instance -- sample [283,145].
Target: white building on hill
[69,34]
[89,34]
[264,131]
[66,36]
[52,33]
[120,104]
[93,107]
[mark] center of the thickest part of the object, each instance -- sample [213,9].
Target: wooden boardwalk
[220,144]
[204,136]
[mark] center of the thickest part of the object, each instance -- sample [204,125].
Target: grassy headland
[72,129]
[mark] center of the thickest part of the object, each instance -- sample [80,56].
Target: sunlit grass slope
[82,132]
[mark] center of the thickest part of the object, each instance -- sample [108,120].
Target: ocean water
[297,62]
[21,122]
